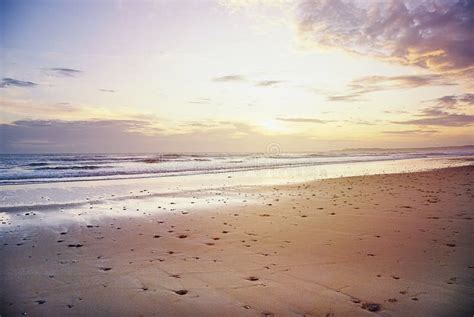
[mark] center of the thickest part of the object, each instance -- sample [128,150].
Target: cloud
[16,109]
[348,97]
[266,83]
[107,90]
[36,109]
[59,136]
[141,136]
[63,72]
[432,34]
[145,136]
[452,101]
[10,82]
[229,78]
[410,132]
[467,98]
[304,120]
[445,111]
[441,105]
[361,122]
[240,78]
[200,125]
[363,85]
[396,111]
[442,119]
[375,83]
[201,101]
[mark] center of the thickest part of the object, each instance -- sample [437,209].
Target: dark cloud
[431,34]
[10,82]
[266,83]
[229,78]
[368,84]
[444,111]
[467,98]
[445,105]
[433,112]
[72,136]
[63,72]
[452,101]
[304,120]
[448,101]
[140,136]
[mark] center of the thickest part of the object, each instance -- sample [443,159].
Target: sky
[235,75]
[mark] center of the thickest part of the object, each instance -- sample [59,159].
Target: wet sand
[388,245]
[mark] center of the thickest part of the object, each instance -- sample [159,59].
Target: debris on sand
[373,307]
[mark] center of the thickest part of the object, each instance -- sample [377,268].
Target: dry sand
[400,245]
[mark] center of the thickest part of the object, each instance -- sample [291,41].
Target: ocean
[44,168]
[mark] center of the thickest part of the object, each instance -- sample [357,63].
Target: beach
[390,244]
[222,158]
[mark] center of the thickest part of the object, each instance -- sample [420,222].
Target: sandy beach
[237,158]
[388,245]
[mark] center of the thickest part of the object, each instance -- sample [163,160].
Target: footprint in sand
[181,292]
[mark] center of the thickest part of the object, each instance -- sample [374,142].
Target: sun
[271,126]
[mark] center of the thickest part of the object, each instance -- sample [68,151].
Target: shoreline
[35,195]
[263,168]
[323,248]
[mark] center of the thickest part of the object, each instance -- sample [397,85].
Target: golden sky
[151,76]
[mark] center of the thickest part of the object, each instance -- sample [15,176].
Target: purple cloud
[11,82]
[442,119]
[63,72]
[367,84]
[431,34]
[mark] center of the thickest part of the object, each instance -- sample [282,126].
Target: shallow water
[42,168]
[68,194]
